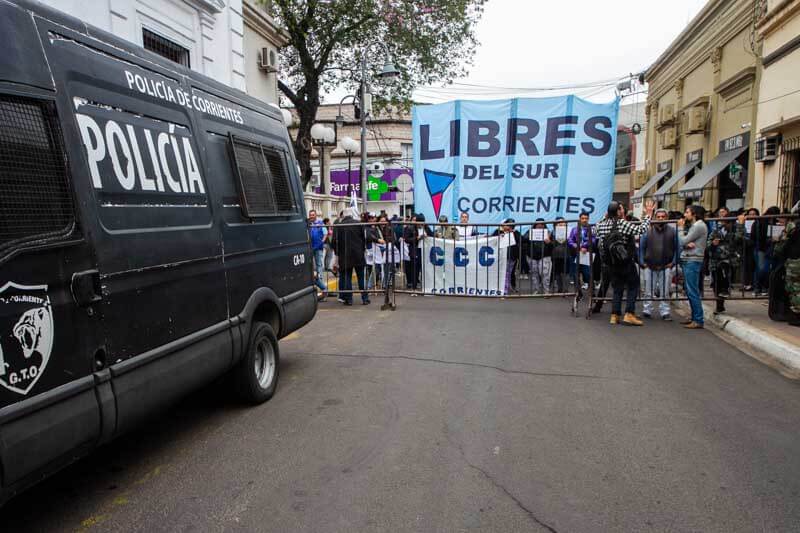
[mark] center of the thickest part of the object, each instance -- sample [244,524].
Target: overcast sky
[543,43]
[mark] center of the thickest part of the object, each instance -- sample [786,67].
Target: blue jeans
[319,265]
[346,283]
[691,285]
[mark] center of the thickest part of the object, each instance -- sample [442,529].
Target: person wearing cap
[658,254]
[446,232]
[539,251]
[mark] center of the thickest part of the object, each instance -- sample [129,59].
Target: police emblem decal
[26,335]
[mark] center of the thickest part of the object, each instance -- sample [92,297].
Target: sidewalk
[748,322]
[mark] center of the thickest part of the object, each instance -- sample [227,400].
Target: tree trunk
[303,145]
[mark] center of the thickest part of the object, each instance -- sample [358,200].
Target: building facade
[778,144]
[389,156]
[701,112]
[223,39]
[263,39]
[630,158]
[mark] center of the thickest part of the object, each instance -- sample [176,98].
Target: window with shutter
[35,197]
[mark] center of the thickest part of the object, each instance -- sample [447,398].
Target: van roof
[59,17]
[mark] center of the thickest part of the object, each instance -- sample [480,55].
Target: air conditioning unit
[696,122]
[767,148]
[669,138]
[268,60]
[667,113]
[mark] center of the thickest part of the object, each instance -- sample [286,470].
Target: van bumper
[298,309]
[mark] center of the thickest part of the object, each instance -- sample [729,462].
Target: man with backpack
[619,252]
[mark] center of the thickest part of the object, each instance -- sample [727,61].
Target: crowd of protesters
[648,257]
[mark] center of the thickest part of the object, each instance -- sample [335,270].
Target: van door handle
[86,287]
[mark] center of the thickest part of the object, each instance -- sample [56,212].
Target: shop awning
[670,183]
[694,187]
[636,198]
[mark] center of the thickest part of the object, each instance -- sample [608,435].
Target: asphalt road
[454,415]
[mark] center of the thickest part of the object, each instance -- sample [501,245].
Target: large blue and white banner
[524,158]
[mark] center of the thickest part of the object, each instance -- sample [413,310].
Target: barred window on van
[35,197]
[263,181]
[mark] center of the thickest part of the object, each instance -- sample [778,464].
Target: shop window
[624,154]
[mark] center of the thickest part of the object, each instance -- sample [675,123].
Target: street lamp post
[350,146]
[388,72]
[323,136]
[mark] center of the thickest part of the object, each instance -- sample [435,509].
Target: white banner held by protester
[474,266]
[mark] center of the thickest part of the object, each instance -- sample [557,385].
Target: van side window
[35,197]
[263,182]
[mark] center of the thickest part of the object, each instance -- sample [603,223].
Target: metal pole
[349,176]
[363,170]
[322,167]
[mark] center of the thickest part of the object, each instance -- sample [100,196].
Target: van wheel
[256,377]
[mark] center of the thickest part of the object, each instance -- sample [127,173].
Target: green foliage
[430,41]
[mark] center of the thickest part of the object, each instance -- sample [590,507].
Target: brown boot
[631,320]
[614,320]
[693,325]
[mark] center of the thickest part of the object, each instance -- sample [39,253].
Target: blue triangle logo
[437,183]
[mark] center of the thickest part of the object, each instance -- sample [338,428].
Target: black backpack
[615,246]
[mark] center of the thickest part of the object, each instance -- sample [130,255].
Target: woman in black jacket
[413,235]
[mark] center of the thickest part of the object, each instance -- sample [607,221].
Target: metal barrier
[548,259]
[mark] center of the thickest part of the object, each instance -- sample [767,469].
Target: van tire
[256,377]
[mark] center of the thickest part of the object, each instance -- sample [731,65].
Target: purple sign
[378,187]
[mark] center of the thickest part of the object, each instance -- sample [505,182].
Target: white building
[209,36]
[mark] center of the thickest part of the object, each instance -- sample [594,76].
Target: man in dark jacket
[658,254]
[348,241]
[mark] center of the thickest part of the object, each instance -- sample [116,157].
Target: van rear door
[49,328]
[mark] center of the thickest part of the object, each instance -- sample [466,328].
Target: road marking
[93,521]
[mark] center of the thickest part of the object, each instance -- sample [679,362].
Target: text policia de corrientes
[483,141]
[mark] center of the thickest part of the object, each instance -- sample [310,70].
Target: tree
[431,41]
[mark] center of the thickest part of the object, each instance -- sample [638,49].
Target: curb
[785,355]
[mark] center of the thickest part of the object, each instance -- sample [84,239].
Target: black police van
[152,239]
